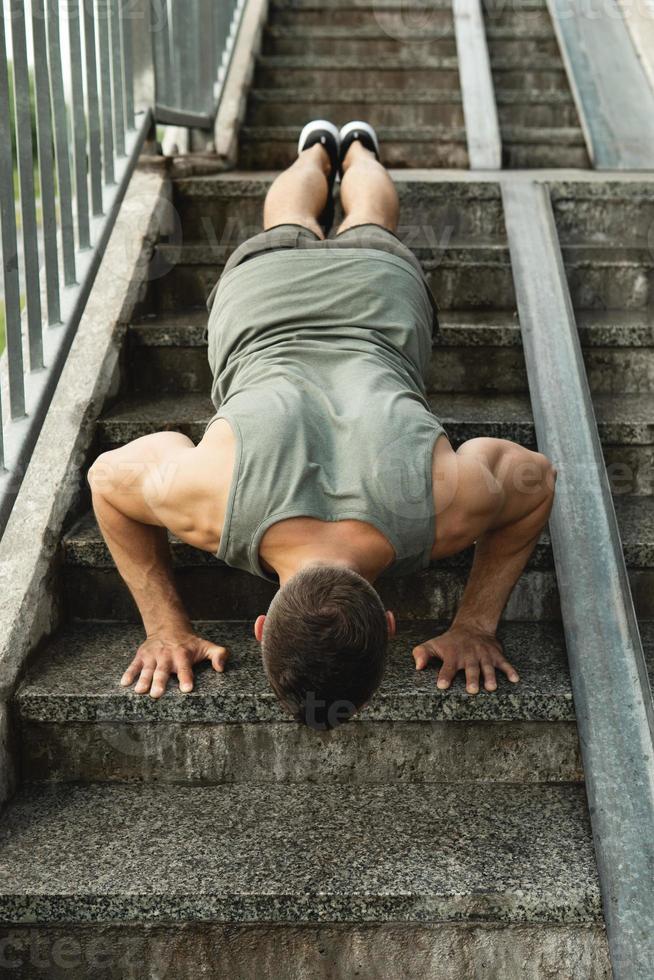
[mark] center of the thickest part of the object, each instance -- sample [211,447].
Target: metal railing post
[62,151]
[9,251]
[25,153]
[46,160]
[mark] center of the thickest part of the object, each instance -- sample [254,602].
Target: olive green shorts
[297,236]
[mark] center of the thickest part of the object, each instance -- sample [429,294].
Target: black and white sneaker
[359,131]
[326,133]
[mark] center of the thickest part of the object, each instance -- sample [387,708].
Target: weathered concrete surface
[75,678]
[301,853]
[392,951]
[28,598]
[7,765]
[75,722]
[519,38]
[640,22]
[609,83]
[430,147]
[201,754]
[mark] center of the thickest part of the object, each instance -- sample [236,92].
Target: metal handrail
[103,73]
[613,699]
[191,52]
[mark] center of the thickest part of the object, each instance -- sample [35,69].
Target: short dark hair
[324,644]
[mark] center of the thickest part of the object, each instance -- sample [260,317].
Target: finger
[421,655]
[144,681]
[507,669]
[446,675]
[218,657]
[131,673]
[472,677]
[159,681]
[185,677]
[488,671]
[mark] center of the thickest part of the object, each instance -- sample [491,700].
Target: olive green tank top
[318,360]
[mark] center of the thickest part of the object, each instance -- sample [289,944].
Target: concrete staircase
[438,835]
[448,828]
[396,65]
[537,115]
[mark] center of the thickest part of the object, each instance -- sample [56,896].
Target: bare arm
[501,499]
[140,491]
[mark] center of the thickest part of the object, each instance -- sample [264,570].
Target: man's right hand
[168,653]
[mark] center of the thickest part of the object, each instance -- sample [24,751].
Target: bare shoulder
[463,494]
[196,488]
[472,486]
[186,488]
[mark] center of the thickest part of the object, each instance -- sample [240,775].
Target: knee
[101,476]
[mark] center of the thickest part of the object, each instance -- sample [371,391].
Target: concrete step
[525,60]
[462,274]
[594,213]
[466,275]
[532,146]
[395,19]
[365,42]
[499,874]
[604,213]
[92,588]
[519,20]
[292,107]
[324,74]
[84,547]
[548,76]
[377,42]
[476,351]
[225,209]
[622,421]
[275,147]
[626,425]
[481,351]
[76,723]
[334,8]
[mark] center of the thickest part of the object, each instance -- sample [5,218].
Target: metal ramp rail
[613,698]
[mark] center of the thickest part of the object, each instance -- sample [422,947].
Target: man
[323,467]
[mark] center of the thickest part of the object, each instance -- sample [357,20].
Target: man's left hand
[466,648]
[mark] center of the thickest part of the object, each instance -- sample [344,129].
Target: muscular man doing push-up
[323,467]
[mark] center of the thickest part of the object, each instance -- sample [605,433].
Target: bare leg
[298,195]
[367,192]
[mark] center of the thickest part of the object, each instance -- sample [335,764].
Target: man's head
[324,644]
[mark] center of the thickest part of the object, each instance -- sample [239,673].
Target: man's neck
[291,545]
